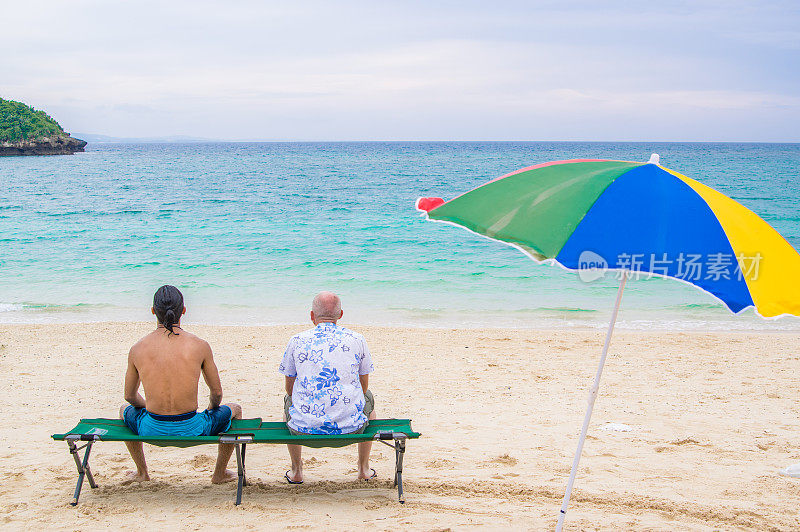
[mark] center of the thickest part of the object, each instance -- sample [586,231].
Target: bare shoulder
[142,345]
[197,343]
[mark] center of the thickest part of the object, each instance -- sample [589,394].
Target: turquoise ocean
[251,231]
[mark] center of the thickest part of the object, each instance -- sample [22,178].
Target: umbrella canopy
[591,213]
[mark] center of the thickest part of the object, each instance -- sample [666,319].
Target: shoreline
[629,323]
[713,418]
[577,329]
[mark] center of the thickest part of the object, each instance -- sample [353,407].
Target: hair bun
[168,306]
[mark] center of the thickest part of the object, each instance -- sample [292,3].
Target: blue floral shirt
[327,397]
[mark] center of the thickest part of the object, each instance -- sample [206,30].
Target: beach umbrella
[639,219]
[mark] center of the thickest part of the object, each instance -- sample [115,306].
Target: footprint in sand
[679,442]
[202,462]
[16,506]
[504,459]
[312,462]
[440,463]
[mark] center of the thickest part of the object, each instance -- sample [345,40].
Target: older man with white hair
[327,375]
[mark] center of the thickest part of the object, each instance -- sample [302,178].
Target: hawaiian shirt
[327,397]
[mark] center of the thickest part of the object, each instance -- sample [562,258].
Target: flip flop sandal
[289,480]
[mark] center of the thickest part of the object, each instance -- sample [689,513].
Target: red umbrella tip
[428,204]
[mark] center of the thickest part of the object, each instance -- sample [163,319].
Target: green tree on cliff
[22,122]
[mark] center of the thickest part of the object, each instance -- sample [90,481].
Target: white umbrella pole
[592,397]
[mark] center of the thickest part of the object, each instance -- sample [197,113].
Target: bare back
[169,368]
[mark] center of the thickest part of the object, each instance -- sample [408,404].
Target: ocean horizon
[251,231]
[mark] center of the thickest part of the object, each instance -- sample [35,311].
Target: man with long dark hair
[168,363]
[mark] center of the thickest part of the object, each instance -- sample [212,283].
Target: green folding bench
[242,432]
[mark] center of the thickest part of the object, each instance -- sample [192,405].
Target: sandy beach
[713,418]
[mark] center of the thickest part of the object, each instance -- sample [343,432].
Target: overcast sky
[405,70]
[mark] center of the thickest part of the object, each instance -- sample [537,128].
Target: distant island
[26,131]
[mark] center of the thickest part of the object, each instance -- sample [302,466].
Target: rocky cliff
[61,145]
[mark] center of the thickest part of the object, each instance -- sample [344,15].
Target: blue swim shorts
[205,423]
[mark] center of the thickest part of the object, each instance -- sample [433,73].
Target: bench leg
[399,451]
[244,469]
[241,449]
[83,468]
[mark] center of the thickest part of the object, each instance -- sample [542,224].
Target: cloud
[407,70]
[643,100]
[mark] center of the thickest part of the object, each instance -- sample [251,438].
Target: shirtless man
[168,363]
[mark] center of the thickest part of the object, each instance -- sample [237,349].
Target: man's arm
[132,380]
[365,366]
[211,376]
[287,367]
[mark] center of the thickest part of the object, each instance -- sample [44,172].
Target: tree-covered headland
[22,122]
